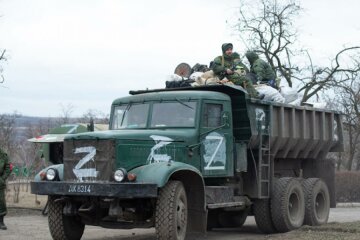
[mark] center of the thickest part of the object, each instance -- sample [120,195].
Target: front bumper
[96,189]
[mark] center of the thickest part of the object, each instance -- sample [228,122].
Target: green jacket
[260,68]
[4,168]
[223,62]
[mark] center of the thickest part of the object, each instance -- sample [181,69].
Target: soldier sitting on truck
[224,67]
[262,70]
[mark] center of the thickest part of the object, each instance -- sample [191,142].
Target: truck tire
[287,204]
[171,212]
[63,227]
[232,219]
[317,202]
[262,214]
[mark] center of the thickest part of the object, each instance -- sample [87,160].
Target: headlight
[120,175]
[51,174]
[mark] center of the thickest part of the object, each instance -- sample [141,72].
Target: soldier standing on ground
[224,67]
[262,70]
[4,173]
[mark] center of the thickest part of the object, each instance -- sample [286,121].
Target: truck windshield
[164,114]
[130,116]
[173,114]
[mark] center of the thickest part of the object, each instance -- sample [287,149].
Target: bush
[347,186]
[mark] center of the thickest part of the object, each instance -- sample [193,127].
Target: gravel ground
[31,225]
[344,223]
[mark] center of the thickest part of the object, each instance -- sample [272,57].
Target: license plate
[79,188]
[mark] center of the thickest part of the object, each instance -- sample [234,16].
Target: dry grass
[24,199]
[331,231]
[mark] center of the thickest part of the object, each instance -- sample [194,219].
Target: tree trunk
[352,150]
[339,162]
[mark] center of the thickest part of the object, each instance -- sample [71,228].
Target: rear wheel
[171,212]
[63,227]
[287,204]
[317,202]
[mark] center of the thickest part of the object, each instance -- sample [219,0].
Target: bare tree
[347,100]
[342,70]
[7,132]
[2,59]
[349,97]
[96,115]
[267,26]
[66,112]
[29,153]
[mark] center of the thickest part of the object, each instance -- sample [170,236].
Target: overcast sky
[89,52]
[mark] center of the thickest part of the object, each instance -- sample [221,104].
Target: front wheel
[63,227]
[171,212]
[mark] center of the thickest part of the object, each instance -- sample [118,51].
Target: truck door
[216,139]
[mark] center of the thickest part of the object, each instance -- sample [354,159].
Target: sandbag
[271,94]
[174,77]
[296,102]
[206,78]
[195,75]
[290,94]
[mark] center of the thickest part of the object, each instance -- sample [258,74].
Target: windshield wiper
[182,103]
[125,111]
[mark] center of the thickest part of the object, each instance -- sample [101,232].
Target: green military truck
[188,160]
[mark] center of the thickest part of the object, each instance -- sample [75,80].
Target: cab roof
[213,92]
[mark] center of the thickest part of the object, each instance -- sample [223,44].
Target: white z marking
[85,172]
[155,156]
[220,139]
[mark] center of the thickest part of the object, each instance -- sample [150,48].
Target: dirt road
[30,225]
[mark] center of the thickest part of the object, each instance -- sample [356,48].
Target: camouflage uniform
[221,63]
[4,173]
[263,71]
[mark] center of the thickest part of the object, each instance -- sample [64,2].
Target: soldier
[224,67]
[262,70]
[4,173]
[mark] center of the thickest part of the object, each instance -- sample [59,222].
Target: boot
[2,225]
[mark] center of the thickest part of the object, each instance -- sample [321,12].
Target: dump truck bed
[295,132]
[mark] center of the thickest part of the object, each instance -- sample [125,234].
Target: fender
[58,167]
[159,173]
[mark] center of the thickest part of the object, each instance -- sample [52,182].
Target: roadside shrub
[347,186]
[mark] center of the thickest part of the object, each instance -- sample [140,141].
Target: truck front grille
[89,160]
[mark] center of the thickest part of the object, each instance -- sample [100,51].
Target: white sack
[290,94]
[174,77]
[296,102]
[195,75]
[271,94]
[206,78]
